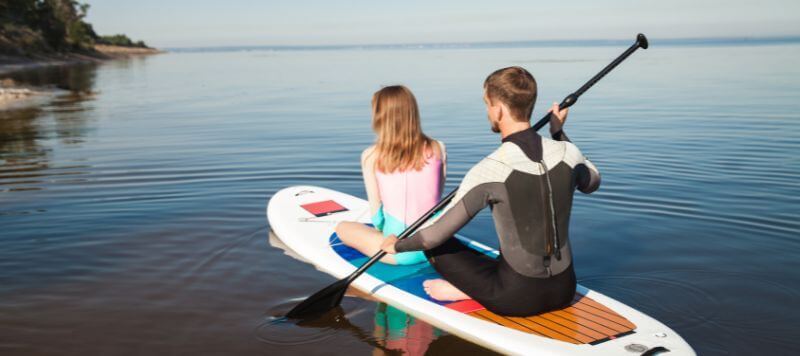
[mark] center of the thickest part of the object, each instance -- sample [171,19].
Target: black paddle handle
[641,42]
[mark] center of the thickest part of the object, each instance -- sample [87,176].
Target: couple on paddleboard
[528,182]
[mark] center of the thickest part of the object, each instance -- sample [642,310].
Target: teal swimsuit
[388,225]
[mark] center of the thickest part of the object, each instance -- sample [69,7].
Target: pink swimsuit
[405,196]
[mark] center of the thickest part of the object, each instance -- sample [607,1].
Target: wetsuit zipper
[547,244]
[554,234]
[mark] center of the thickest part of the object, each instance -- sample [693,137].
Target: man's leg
[443,290]
[467,273]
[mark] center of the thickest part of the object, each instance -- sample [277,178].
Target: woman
[403,174]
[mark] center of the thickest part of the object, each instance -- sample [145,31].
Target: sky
[204,23]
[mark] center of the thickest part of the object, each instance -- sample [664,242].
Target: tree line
[34,26]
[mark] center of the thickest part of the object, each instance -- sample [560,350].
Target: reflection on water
[392,332]
[24,161]
[79,78]
[18,134]
[403,332]
[132,203]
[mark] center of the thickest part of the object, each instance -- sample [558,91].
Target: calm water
[132,205]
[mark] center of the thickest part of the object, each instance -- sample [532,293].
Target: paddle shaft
[641,42]
[331,296]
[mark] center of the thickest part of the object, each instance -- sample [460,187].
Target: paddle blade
[326,299]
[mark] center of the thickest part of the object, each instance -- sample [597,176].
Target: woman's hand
[388,244]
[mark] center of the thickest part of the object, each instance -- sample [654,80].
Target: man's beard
[495,126]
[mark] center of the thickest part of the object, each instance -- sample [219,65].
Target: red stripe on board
[466,306]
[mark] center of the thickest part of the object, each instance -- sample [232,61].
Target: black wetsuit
[528,182]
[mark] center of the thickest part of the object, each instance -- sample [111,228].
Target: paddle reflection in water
[395,332]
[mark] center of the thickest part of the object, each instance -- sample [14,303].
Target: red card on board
[322,208]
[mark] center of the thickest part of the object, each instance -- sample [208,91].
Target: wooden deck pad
[585,321]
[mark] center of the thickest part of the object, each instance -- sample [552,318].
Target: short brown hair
[515,87]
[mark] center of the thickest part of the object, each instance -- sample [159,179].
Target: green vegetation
[119,40]
[48,26]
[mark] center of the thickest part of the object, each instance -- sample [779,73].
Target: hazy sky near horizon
[189,23]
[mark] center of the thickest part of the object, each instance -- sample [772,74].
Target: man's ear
[503,111]
[498,112]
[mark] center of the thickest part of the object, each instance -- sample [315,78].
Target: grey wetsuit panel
[512,181]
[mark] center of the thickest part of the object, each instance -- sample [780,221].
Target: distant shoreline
[11,63]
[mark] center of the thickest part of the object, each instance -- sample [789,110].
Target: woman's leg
[362,238]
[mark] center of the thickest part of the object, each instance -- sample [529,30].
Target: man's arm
[472,196]
[588,177]
[453,218]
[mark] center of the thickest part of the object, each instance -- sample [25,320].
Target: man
[528,182]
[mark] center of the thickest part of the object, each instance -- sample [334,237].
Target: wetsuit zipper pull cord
[552,211]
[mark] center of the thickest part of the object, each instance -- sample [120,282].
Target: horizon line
[596,42]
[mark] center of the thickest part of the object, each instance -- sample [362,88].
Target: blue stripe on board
[405,277]
[343,250]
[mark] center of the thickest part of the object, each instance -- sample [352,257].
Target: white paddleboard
[304,218]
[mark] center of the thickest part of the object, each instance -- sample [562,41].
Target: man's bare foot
[440,289]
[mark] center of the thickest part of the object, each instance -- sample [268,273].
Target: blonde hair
[395,119]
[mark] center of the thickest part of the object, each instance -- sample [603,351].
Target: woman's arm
[370,181]
[443,155]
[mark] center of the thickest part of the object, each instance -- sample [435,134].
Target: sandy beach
[123,52]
